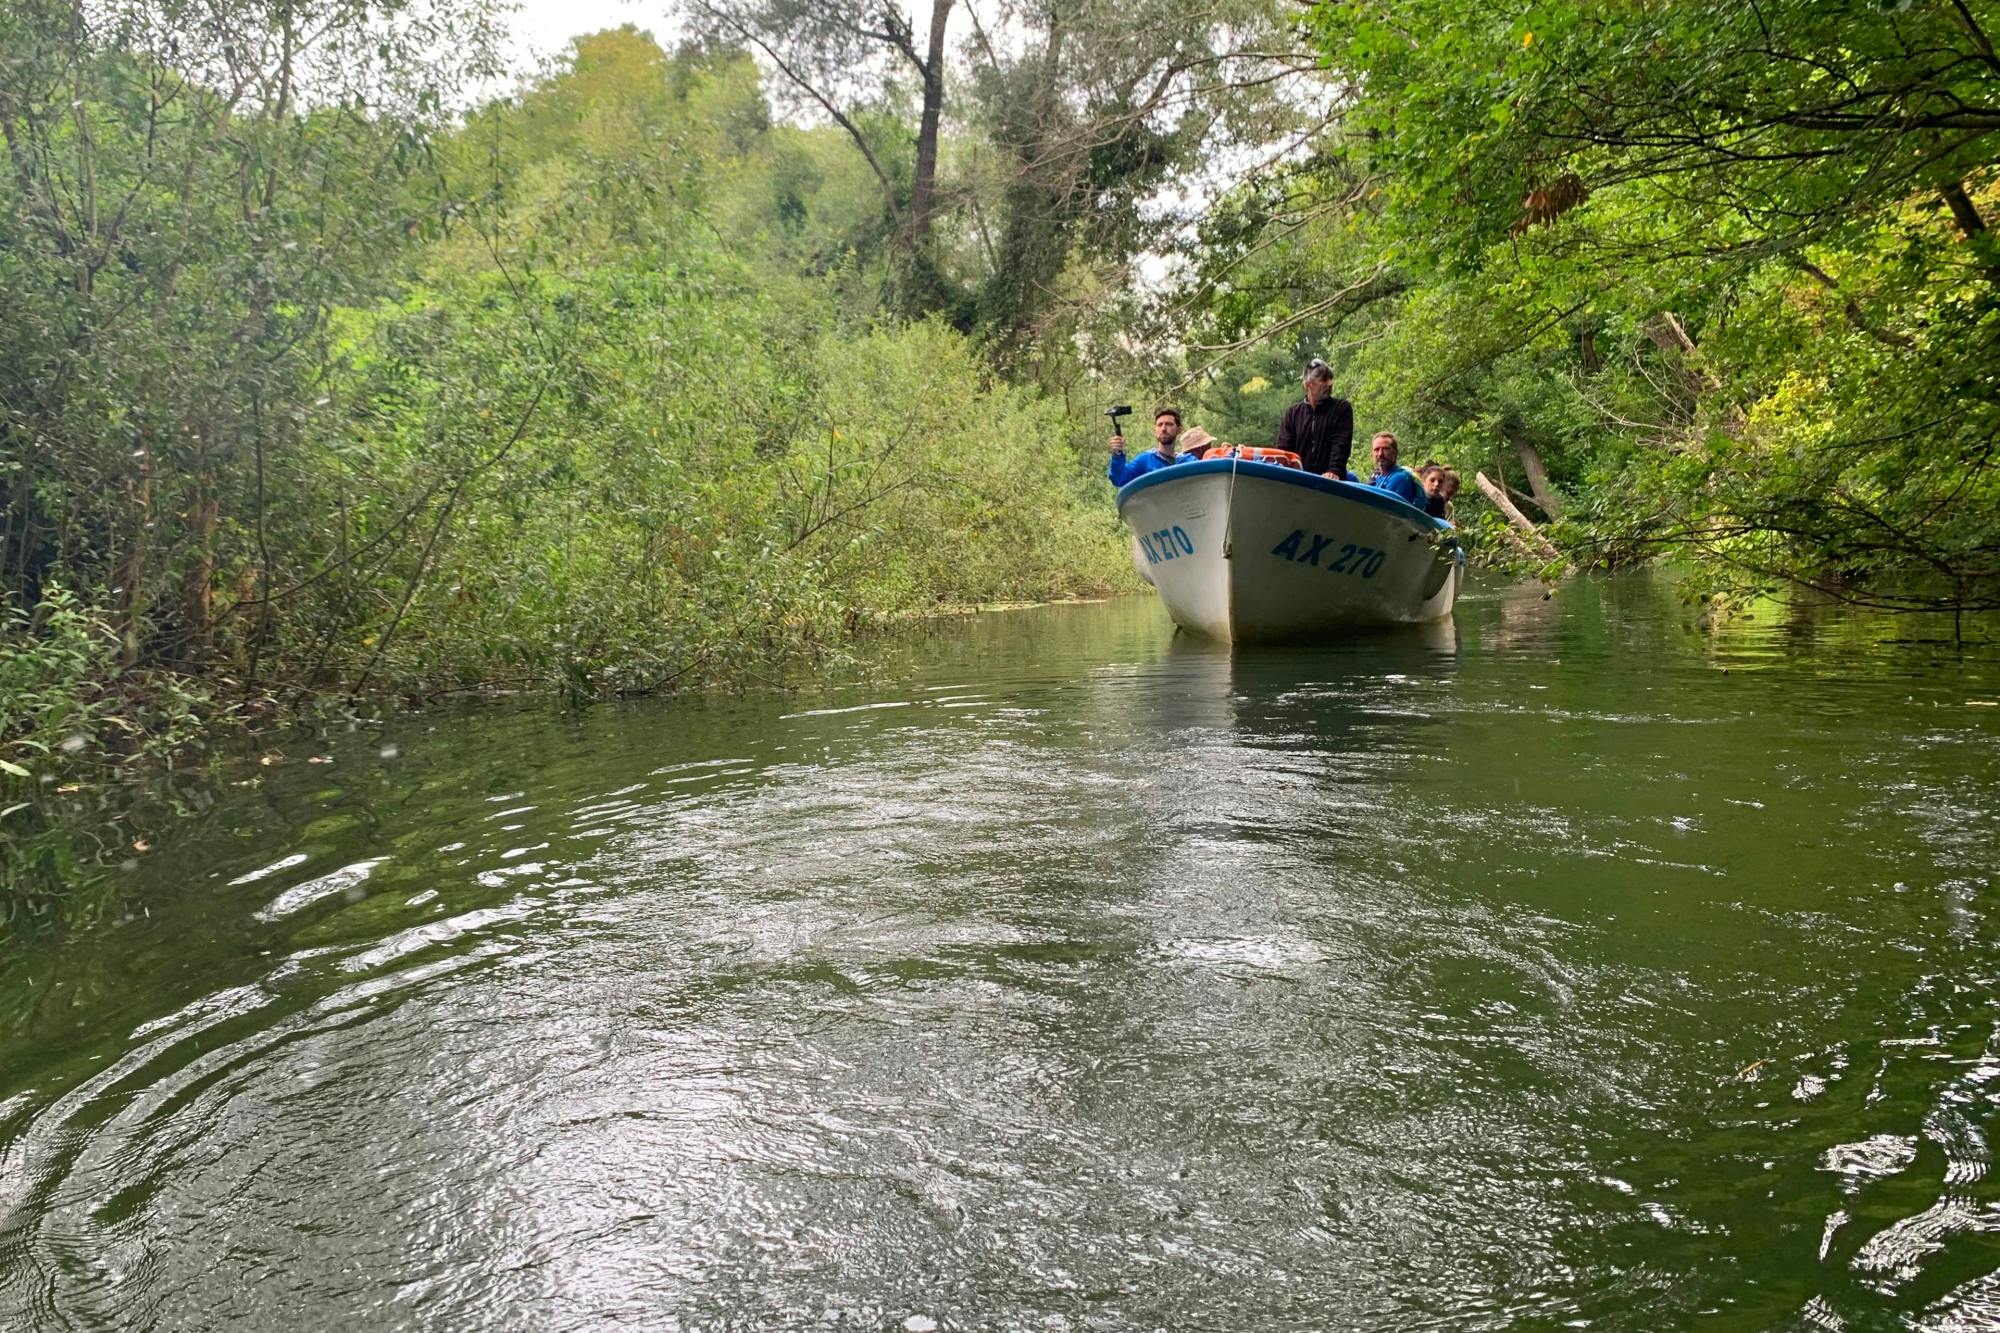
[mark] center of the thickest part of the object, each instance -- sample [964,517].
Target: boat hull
[1244,551]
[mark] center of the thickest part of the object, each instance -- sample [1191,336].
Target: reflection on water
[1556,965]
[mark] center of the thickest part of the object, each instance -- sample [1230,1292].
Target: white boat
[1242,550]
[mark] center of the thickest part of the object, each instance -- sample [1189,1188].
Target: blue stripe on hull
[1291,476]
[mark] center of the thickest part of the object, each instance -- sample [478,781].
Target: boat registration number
[1166,544]
[1309,548]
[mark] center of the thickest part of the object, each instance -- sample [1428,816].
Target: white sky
[543,27]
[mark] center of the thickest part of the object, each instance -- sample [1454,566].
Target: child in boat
[1450,487]
[1197,442]
[1432,475]
[1440,488]
[1200,444]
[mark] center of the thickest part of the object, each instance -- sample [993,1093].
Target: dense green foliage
[1722,270]
[592,389]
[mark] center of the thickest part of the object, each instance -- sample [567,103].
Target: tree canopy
[1722,272]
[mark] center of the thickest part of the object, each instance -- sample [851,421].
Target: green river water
[1560,967]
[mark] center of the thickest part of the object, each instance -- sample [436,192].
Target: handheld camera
[1122,410]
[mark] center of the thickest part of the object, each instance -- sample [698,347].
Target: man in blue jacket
[1389,476]
[1166,430]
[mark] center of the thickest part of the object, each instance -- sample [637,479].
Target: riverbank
[101,764]
[121,775]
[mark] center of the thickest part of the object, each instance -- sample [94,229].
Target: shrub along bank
[313,395]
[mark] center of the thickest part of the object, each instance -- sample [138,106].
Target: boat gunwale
[1345,490]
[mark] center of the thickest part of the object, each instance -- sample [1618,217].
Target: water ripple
[1092,979]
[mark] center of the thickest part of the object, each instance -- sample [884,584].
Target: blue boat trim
[1290,476]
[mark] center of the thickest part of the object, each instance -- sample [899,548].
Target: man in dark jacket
[1319,430]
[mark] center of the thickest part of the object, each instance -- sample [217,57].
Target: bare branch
[840,117]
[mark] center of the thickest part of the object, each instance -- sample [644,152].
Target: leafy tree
[188,194]
[1719,276]
[1006,152]
[1746,128]
[840,57]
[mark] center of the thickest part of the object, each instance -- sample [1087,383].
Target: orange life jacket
[1251,453]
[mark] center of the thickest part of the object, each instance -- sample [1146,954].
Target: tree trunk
[1666,332]
[1032,243]
[1586,350]
[1521,547]
[198,588]
[1963,210]
[128,581]
[1531,534]
[923,188]
[1531,463]
[1966,214]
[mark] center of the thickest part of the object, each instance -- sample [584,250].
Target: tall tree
[1096,115]
[840,56]
[1068,115]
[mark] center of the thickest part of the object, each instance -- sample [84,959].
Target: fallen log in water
[1530,540]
